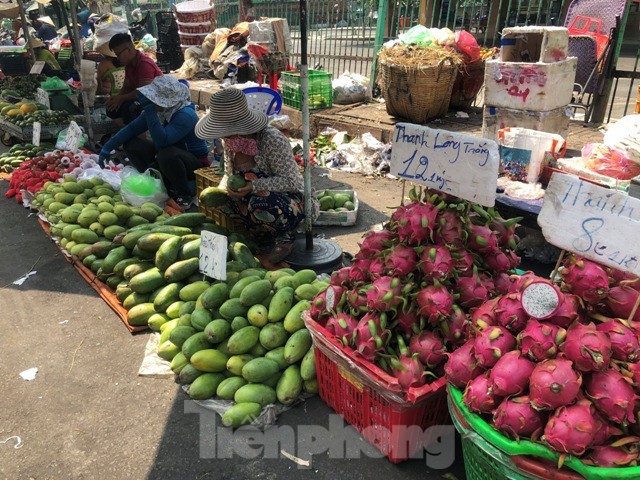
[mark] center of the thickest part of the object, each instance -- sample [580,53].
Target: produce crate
[488,455]
[342,219]
[206,177]
[26,133]
[320,90]
[14,63]
[372,401]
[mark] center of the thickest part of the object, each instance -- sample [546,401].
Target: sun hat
[46,20]
[106,51]
[169,93]
[230,115]
[36,42]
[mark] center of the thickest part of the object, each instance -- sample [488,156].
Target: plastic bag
[107,27]
[148,43]
[610,162]
[138,188]
[350,88]
[468,46]
[61,143]
[111,177]
[281,122]
[624,135]
[443,37]
[420,35]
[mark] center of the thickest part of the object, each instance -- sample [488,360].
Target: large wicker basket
[417,93]
[468,83]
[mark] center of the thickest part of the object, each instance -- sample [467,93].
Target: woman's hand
[242,192]
[113,103]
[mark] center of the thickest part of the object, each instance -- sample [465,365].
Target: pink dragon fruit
[385,294]
[369,338]
[407,368]
[586,279]
[479,397]
[450,228]
[482,239]
[616,277]
[587,348]
[632,371]
[342,326]
[407,320]
[474,291]
[624,343]
[491,344]
[604,430]
[400,261]
[516,418]
[571,429]
[434,302]
[520,282]
[484,315]
[461,367]
[505,230]
[554,383]
[502,283]
[359,271]
[357,300]
[341,277]
[568,311]
[415,225]
[318,310]
[334,297]
[464,261]
[612,457]
[498,261]
[541,299]
[376,268]
[455,328]
[375,242]
[510,314]
[539,341]
[436,263]
[428,347]
[613,395]
[621,301]
[510,375]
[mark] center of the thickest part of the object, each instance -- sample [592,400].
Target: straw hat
[46,20]
[230,115]
[106,51]
[36,42]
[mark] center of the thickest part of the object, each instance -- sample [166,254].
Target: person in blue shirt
[45,29]
[83,19]
[174,149]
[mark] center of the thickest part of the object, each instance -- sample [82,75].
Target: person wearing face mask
[271,205]
[174,149]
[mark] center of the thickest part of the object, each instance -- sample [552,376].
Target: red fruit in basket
[510,313]
[621,300]
[516,418]
[613,395]
[491,344]
[510,375]
[342,326]
[586,279]
[505,230]
[376,242]
[498,261]
[340,277]
[568,311]
[519,282]
[482,239]
[408,370]
[462,367]
[587,348]
[604,430]
[502,283]
[624,343]
[400,261]
[554,383]
[455,327]
[359,271]
[484,315]
[450,228]
[618,276]
[428,347]
[357,300]
[434,302]
[540,341]
[407,320]
[479,397]
[370,337]
[464,261]
[385,294]
[415,224]
[571,429]
[436,263]
[475,290]
[611,457]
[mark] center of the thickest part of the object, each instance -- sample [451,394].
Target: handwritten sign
[74,135]
[37,68]
[213,255]
[454,163]
[37,129]
[595,222]
[42,98]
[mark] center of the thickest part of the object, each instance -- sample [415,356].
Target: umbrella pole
[304,93]
[25,30]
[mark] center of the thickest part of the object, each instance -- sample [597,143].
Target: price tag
[42,98]
[594,222]
[461,165]
[37,67]
[74,135]
[213,255]
[37,129]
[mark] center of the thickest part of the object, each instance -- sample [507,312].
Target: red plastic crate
[353,388]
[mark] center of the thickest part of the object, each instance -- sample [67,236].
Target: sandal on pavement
[184,202]
[280,251]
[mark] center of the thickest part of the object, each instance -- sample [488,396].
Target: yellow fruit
[14,112]
[28,108]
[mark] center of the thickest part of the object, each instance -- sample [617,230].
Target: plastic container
[320,90]
[372,401]
[194,11]
[204,27]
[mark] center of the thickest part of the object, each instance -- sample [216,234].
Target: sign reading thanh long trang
[595,222]
[461,165]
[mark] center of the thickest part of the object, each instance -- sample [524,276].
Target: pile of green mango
[331,201]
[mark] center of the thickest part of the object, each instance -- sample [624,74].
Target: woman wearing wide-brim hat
[271,205]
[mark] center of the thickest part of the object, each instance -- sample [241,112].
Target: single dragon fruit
[505,230]
[587,348]
[586,279]
[455,327]
[369,337]
[464,262]
[612,457]
[484,315]
[319,311]
[376,268]
[621,300]
[415,225]
[376,241]
[604,430]
[510,375]
[474,291]
[407,368]
[539,341]
[450,229]
[436,263]
[502,283]
[613,395]
[359,271]
[407,320]
[434,302]
[616,277]
[385,294]
[510,314]
[479,397]
[554,383]
[491,344]
[428,347]
[624,343]
[482,239]
[568,311]
[342,326]
[571,429]
[357,300]
[498,261]
[541,299]
[461,367]
[341,277]
[400,261]
[516,418]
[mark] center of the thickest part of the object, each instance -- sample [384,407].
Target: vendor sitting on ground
[140,70]
[110,74]
[174,149]
[270,206]
[43,54]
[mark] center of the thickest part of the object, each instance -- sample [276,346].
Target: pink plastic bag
[468,46]
[610,162]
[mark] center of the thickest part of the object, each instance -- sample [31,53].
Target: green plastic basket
[320,90]
[489,455]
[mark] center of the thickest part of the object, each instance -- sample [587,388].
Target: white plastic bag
[109,176]
[624,135]
[350,88]
[107,27]
[157,193]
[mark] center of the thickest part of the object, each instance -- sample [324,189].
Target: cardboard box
[553,121]
[534,44]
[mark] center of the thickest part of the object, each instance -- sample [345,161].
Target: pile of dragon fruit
[559,364]
[403,303]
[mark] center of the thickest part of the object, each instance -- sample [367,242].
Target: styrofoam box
[534,44]
[343,219]
[529,86]
[552,121]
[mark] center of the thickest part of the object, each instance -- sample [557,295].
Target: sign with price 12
[595,222]
[461,165]
[213,255]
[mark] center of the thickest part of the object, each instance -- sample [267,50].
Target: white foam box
[534,44]
[529,86]
[552,121]
[340,219]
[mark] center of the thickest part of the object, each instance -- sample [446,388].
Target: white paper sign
[461,165]
[213,255]
[42,98]
[595,222]
[37,129]
[74,135]
[37,67]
